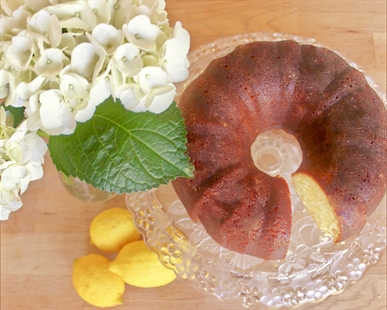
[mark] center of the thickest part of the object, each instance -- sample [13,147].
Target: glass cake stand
[314,267]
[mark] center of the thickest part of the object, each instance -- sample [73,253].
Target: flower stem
[43,134]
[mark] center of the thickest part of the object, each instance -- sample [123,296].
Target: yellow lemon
[139,266]
[111,229]
[95,283]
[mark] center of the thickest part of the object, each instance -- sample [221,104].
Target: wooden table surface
[40,241]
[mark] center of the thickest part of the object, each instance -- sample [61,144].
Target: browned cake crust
[307,91]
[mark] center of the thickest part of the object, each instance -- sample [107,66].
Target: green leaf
[122,151]
[17,113]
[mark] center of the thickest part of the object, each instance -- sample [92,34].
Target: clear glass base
[313,269]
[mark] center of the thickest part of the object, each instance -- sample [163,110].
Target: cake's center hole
[276,152]
[269,160]
[270,155]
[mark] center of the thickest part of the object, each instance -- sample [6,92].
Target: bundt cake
[309,92]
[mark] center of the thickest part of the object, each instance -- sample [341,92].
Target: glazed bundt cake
[309,92]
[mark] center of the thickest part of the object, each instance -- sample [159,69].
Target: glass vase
[84,191]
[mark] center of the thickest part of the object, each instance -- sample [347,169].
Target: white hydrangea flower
[50,63]
[87,60]
[158,90]
[74,89]
[117,79]
[159,99]
[25,90]
[67,44]
[55,115]
[119,10]
[156,5]
[98,94]
[92,54]
[174,54]
[36,6]
[7,87]
[9,202]
[22,155]
[130,95]
[13,150]
[6,129]
[180,32]
[73,16]
[5,35]
[19,53]
[141,32]
[151,59]
[25,146]
[11,5]
[128,59]
[101,11]
[82,101]
[101,90]
[47,25]
[154,9]
[32,111]
[15,177]
[152,77]
[108,37]
[4,82]
[11,24]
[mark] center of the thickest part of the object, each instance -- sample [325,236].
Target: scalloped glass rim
[314,267]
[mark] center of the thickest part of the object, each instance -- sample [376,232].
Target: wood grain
[41,240]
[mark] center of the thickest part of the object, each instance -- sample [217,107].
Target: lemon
[95,283]
[111,229]
[139,266]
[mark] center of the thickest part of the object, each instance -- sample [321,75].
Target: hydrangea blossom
[111,41]
[60,59]
[21,159]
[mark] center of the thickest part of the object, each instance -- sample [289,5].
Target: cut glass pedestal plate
[314,267]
